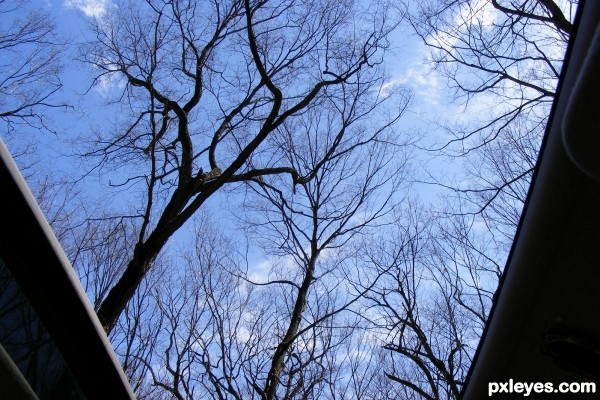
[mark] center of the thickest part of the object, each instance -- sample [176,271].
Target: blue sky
[404,67]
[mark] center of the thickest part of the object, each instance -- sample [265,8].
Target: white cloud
[488,14]
[388,87]
[423,83]
[471,14]
[260,272]
[91,8]
[107,83]
[272,269]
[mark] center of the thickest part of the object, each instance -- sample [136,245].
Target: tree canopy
[246,215]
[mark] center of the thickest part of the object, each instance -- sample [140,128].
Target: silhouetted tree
[205,84]
[503,60]
[30,65]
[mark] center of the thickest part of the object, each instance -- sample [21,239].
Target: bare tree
[355,172]
[430,305]
[286,330]
[282,103]
[97,248]
[30,65]
[206,83]
[206,331]
[503,60]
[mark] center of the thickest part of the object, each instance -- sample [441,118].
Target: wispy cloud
[477,13]
[423,83]
[388,86]
[107,83]
[91,8]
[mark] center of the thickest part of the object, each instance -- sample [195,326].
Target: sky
[431,100]
[405,64]
[405,67]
